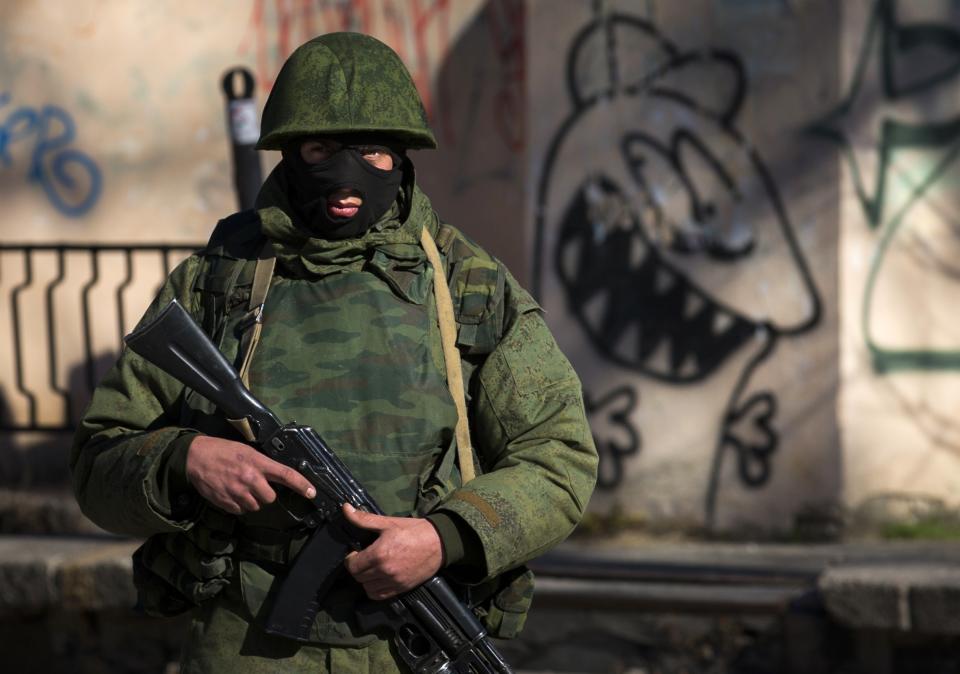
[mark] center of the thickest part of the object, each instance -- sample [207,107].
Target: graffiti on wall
[902,68]
[662,229]
[418,30]
[69,178]
[619,439]
[505,23]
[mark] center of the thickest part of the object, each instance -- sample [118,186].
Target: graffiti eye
[598,218]
[661,193]
[606,209]
[714,224]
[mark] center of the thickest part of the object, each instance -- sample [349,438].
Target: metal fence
[63,311]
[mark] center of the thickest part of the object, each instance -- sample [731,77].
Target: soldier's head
[343,112]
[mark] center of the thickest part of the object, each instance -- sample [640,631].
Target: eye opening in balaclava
[311,184]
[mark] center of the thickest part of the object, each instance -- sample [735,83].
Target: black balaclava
[311,184]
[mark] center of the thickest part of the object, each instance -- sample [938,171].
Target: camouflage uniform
[351,346]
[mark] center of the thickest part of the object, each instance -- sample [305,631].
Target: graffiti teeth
[595,310]
[722,321]
[693,305]
[664,281]
[628,344]
[687,367]
[659,359]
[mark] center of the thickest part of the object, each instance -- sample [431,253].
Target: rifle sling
[253,324]
[451,355]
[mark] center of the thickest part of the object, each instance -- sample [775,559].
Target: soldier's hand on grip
[407,552]
[236,477]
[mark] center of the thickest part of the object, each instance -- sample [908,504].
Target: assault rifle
[435,633]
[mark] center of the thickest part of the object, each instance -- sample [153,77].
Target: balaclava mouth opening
[312,184]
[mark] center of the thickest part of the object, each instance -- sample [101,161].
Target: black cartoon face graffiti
[664,233]
[631,300]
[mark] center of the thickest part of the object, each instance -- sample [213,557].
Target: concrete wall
[897,126]
[738,214]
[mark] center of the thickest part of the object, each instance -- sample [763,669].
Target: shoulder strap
[451,356]
[229,255]
[252,322]
[231,246]
[477,282]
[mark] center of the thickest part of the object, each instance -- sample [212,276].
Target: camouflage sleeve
[529,426]
[127,443]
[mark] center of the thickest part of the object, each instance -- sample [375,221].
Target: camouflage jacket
[350,345]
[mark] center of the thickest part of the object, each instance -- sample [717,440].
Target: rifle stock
[177,345]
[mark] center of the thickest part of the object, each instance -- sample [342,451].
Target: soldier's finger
[366,520]
[380,591]
[262,491]
[277,472]
[350,561]
[359,563]
[368,575]
[246,501]
[228,505]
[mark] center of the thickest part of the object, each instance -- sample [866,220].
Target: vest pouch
[477,291]
[175,572]
[440,480]
[504,613]
[224,286]
[156,595]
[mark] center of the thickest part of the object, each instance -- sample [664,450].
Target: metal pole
[244,127]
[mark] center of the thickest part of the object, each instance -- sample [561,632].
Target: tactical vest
[264,543]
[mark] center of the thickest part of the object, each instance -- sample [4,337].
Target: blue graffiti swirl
[55,166]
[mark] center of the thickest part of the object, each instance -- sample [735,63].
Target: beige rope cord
[451,356]
[262,274]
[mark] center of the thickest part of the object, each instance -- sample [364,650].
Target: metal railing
[52,304]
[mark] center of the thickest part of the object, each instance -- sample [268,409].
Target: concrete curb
[39,574]
[920,597]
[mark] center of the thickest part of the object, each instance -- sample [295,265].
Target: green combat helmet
[344,83]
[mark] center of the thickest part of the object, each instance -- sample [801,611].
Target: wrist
[177,462]
[451,541]
[172,475]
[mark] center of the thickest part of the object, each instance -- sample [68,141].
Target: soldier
[323,296]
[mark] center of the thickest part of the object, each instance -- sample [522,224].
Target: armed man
[330,301]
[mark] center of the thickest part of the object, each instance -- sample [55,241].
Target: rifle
[435,633]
